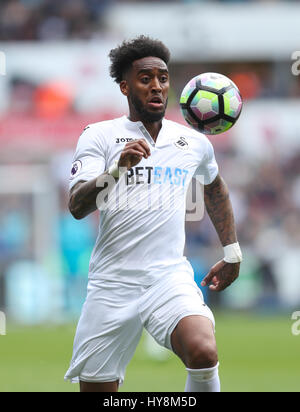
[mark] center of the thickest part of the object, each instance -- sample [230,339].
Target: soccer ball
[211,103]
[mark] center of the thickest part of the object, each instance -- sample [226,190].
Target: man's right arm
[83,195]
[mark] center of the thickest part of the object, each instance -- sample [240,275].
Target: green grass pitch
[256,353]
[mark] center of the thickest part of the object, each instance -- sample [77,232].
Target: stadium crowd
[57,20]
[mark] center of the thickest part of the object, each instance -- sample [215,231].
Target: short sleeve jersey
[142,221]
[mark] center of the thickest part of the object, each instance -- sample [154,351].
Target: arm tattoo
[219,209]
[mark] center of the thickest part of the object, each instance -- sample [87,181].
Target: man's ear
[124,87]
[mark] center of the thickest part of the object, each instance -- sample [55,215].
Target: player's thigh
[193,340]
[107,334]
[108,306]
[173,298]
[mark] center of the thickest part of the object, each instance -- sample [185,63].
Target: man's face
[147,86]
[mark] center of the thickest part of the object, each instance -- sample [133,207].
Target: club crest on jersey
[76,166]
[181,143]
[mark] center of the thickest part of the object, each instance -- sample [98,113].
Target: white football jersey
[142,222]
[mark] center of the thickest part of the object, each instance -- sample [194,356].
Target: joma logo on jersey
[124,139]
[181,143]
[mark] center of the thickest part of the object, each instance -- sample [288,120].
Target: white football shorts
[114,315]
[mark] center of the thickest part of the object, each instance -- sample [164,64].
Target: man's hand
[221,275]
[133,153]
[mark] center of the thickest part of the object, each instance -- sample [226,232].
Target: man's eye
[164,79]
[145,79]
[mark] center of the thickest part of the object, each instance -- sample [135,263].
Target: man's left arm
[219,208]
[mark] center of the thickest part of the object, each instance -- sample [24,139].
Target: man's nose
[156,86]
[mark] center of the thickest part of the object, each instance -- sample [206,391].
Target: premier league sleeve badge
[76,167]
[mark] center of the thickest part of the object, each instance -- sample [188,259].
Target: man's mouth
[156,102]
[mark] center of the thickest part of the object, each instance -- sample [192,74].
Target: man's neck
[153,128]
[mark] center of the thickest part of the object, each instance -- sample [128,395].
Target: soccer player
[138,277]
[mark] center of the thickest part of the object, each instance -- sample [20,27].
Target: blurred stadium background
[57,82]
